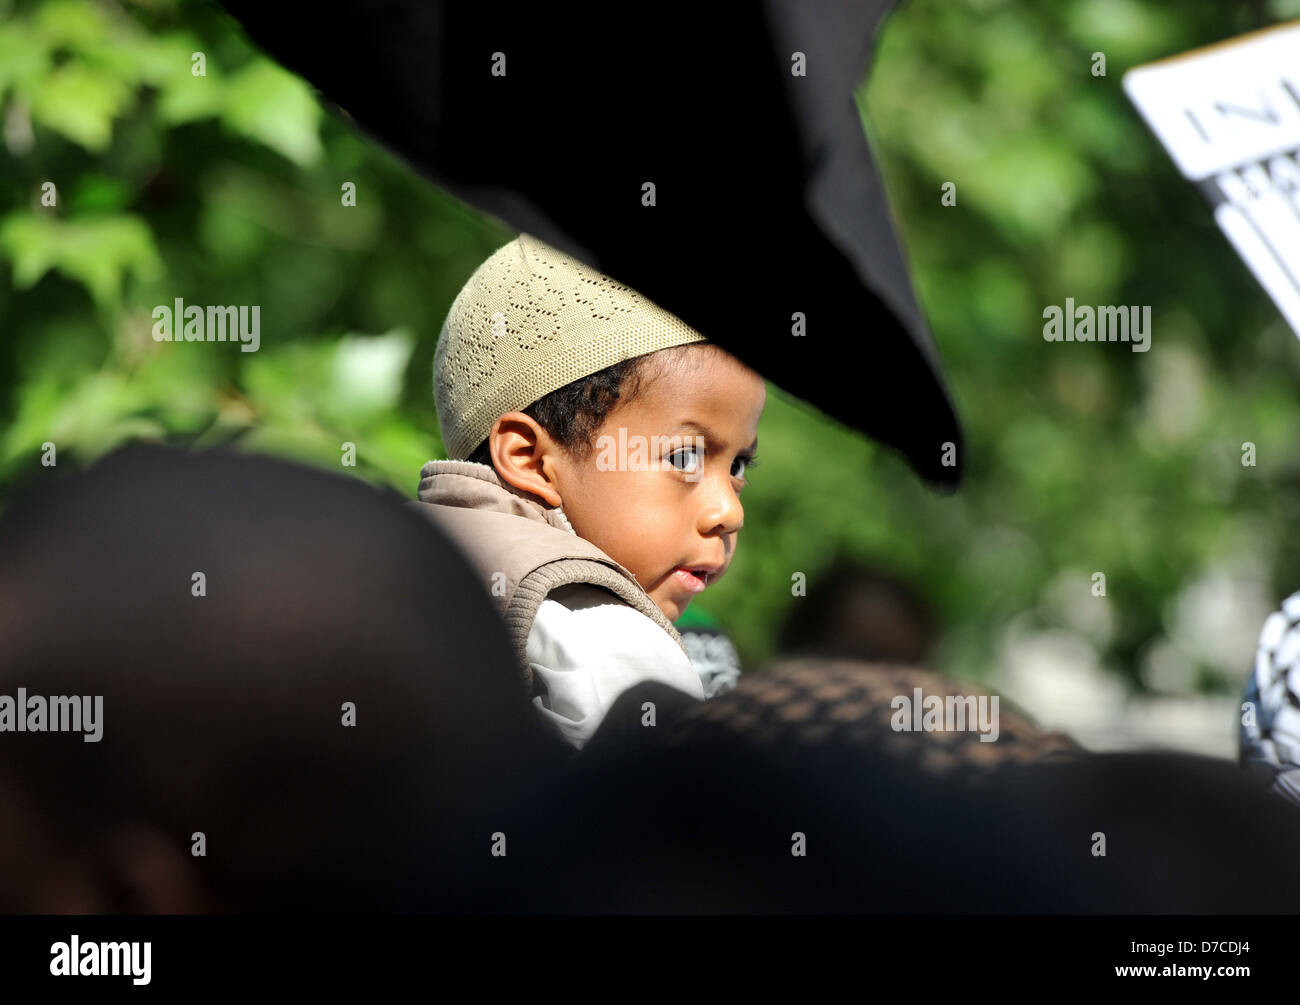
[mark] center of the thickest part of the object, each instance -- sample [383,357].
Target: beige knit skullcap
[528,321]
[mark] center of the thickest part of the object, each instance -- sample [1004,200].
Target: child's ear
[525,455]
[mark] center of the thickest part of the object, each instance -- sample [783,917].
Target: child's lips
[688,581]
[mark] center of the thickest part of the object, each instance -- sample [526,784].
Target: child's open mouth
[691,581]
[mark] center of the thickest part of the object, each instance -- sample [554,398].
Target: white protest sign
[1229,116]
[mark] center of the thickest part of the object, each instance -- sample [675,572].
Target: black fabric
[625,726]
[768,202]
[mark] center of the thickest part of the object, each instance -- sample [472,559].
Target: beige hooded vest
[521,548]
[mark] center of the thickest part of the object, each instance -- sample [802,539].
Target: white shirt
[588,648]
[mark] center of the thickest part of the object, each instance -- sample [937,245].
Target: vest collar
[471,485]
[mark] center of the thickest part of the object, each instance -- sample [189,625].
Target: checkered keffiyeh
[1269,739]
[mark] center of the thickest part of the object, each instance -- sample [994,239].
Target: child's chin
[671,609]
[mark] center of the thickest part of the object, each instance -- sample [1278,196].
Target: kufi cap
[530,320]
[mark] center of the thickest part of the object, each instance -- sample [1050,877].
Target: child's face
[681,510]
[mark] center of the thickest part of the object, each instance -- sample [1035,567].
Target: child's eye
[688,457]
[746,463]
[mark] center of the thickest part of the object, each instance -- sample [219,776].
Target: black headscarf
[767,202]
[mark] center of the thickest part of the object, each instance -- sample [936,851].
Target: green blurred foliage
[225,189]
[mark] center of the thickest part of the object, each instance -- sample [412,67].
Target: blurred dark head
[854,612]
[224,713]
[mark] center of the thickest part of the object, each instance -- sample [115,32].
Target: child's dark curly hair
[574,412]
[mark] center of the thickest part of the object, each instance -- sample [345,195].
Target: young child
[598,449]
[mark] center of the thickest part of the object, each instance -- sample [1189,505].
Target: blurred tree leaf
[24,58]
[98,252]
[80,103]
[367,373]
[275,108]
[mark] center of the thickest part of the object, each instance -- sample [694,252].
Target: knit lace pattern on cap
[530,320]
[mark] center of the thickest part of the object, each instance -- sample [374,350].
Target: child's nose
[723,512]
